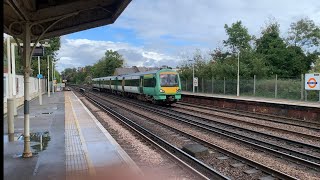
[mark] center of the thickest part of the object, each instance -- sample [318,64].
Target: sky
[167,32]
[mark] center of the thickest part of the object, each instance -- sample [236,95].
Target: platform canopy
[59,17]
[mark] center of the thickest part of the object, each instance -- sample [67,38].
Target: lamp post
[52,76]
[192,75]
[238,76]
[48,76]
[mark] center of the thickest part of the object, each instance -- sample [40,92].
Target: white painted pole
[302,86]
[14,86]
[193,77]
[254,85]
[224,85]
[10,104]
[52,76]
[48,76]
[9,69]
[276,87]
[238,76]
[27,71]
[39,82]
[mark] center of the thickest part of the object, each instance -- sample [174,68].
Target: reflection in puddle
[10,137]
[42,137]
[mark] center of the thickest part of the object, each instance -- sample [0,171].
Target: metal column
[276,87]
[52,77]
[10,103]
[302,86]
[14,87]
[39,82]
[48,76]
[254,85]
[27,71]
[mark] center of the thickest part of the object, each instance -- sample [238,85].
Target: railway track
[267,117]
[270,172]
[239,158]
[296,156]
[293,156]
[198,168]
[283,152]
[254,123]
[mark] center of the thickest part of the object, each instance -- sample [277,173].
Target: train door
[141,85]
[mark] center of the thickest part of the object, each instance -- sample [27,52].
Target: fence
[277,87]
[33,88]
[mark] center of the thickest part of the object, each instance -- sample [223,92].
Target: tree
[48,51]
[107,64]
[238,37]
[305,34]
[273,49]
[316,65]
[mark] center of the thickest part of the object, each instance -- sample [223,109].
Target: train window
[113,82]
[132,82]
[168,80]
[151,82]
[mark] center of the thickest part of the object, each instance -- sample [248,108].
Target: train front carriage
[169,86]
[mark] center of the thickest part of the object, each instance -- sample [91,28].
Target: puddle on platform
[11,138]
[42,138]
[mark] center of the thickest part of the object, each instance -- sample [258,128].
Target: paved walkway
[74,143]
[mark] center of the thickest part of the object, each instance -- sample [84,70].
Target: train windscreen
[169,80]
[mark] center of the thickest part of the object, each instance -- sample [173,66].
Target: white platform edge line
[121,152]
[298,103]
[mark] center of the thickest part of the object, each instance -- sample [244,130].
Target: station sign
[195,81]
[312,81]
[39,76]
[38,51]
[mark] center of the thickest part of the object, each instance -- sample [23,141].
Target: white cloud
[203,21]
[82,52]
[199,24]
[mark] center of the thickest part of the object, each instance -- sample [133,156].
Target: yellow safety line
[83,142]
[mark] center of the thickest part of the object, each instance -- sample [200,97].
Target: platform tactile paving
[76,162]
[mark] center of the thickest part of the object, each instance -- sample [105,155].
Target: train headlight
[178,90]
[162,91]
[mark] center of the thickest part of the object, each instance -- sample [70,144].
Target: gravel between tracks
[238,148]
[271,124]
[150,160]
[290,136]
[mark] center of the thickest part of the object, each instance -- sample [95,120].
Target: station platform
[67,142]
[258,99]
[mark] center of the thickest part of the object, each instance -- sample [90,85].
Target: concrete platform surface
[73,142]
[258,99]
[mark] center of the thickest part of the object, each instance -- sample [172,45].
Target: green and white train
[159,86]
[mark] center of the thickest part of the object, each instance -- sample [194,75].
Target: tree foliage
[51,51]
[104,67]
[304,33]
[107,64]
[238,37]
[265,56]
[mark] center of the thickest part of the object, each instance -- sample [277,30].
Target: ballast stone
[195,150]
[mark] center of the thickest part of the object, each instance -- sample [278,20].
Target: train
[157,86]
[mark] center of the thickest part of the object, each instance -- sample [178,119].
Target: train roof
[135,74]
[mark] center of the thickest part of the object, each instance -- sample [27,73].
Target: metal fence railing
[277,87]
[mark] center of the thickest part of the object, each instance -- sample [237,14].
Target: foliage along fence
[280,87]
